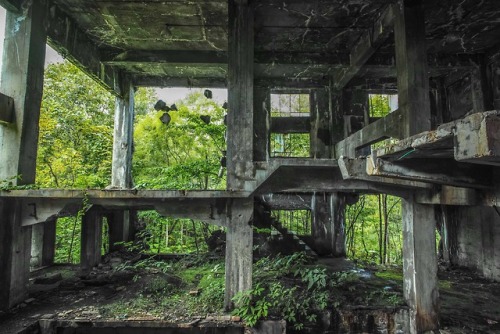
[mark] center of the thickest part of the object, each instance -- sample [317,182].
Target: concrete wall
[474,239]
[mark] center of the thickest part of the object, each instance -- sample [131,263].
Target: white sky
[169,95]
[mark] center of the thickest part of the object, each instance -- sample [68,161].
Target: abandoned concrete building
[440,155]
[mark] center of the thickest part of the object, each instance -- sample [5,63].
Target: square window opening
[288,109]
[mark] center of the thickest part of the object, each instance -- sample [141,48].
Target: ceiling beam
[163,81]
[366,46]
[11,5]
[72,43]
[277,71]
[124,58]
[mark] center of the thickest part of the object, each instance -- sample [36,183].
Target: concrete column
[239,245]
[261,121]
[321,124]
[240,148]
[123,143]
[411,61]
[328,225]
[420,266]
[118,231]
[121,175]
[36,245]
[15,244]
[240,133]
[91,241]
[22,80]
[43,242]
[49,243]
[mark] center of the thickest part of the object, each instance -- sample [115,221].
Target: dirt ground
[469,304]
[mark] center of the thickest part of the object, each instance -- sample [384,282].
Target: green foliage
[75,151]
[297,221]
[67,245]
[374,229]
[76,130]
[379,105]
[173,235]
[272,296]
[185,153]
[250,305]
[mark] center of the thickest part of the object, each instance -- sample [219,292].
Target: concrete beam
[145,80]
[11,5]
[7,112]
[239,244]
[75,45]
[134,57]
[355,169]
[290,125]
[211,212]
[287,201]
[420,266]
[40,210]
[435,171]
[449,195]
[366,46]
[386,127]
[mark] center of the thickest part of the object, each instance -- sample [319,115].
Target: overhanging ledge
[40,205]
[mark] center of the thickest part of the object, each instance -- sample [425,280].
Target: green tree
[183,154]
[76,130]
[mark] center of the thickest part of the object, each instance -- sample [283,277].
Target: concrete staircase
[291,238]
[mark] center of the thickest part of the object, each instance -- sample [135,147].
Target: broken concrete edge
[443,132]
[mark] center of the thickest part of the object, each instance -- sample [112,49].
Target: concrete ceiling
[142,38]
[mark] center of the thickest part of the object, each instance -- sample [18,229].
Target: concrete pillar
[328,224]
[118,230]
[15,244]
[321,124]
[240,133]
[36,245]
[239,244]
[22,80]
[43,242]
[123,143]
[121,175]
[411,64]
[240,147]
[420,266]
[49,243]
[261,121]
[91,241]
